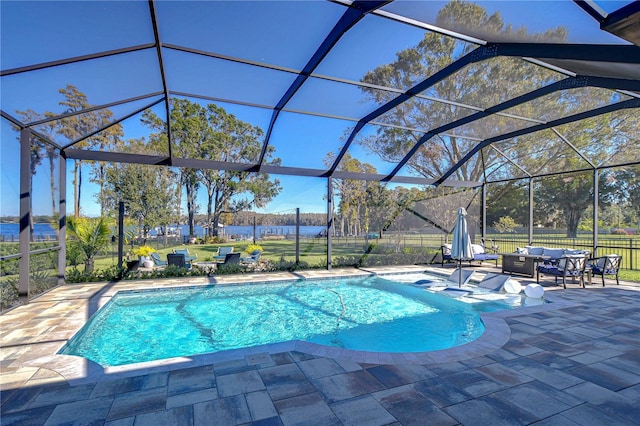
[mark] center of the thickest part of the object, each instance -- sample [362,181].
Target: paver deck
[573,361]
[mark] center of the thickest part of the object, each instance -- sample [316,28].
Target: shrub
[40,281]
[171,271]
[74,255]
[621,231]
[505,224]
[143,251]
[290,265]
[9,266]
[111,273]
[253,247]
[213,240]
[8,292]
[231,268]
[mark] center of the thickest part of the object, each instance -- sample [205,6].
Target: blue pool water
[372,314]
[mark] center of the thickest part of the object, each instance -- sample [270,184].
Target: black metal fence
[628,248]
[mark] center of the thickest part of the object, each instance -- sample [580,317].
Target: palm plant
[90,236]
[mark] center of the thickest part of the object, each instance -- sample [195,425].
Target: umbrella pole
[460,273]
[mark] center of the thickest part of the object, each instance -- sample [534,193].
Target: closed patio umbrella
[461,245]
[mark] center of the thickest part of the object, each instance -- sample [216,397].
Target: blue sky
[287,36]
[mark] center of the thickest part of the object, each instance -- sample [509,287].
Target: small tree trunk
[79,189]
[190,207]
[213,227]
[573,218]
[52,183]
[88,266]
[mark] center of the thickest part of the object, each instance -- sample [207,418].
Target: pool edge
[77,370]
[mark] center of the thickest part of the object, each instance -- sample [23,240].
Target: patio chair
[605,265]
[446,254]
[157,261]
[231,258]
[187,256]
[222,253]
[567,266]
[179,260]
[252,258]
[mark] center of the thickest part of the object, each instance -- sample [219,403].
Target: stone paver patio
[575,361]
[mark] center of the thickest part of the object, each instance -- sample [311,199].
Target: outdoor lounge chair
[567,266]
[452,279]
[605,265]
[157,261]
[222,253]
[187,256]
[479,254]
[493,282]
[252,258]
[455,276]
[179,260]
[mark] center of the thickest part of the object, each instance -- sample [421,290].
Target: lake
[44,231]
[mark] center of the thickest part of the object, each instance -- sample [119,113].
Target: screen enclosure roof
[421,92]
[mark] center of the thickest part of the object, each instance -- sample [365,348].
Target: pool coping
[78,370]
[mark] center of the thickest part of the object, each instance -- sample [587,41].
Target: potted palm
[144,253]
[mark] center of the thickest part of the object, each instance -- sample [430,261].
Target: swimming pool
[372,314]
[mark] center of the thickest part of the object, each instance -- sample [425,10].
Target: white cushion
[477,249]
[522,250]
[446,249]
[535,251]
[571,252]
[553,253]
[562,264]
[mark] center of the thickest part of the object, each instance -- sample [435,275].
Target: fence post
[631,253]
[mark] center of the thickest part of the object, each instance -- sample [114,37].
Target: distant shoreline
[11,230]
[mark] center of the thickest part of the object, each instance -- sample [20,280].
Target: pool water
[372,314]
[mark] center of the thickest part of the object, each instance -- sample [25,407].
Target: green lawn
[313,250]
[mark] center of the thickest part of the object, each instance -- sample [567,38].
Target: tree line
[153,194]
[203,131]
[608,139]
[244,218]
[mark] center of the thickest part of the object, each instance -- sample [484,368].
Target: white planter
[145,261]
